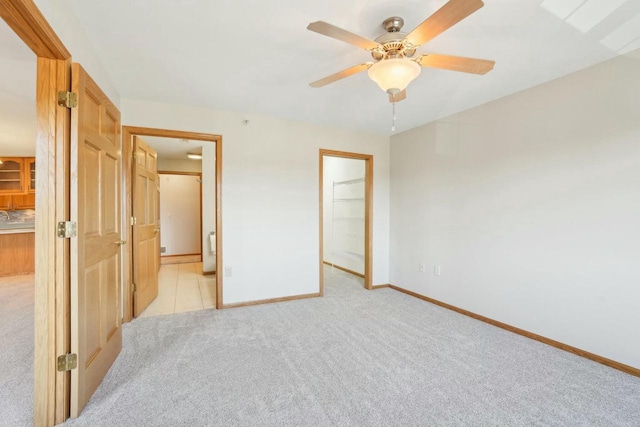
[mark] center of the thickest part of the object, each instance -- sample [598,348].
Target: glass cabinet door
[30,170]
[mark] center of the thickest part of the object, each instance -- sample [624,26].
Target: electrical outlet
[228,272]
[421,267]
[436,270]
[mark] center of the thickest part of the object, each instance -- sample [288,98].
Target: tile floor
[182,287]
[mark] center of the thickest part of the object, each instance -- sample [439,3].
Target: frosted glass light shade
[394,75]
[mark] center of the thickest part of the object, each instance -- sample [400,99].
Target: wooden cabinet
[30,174]
[17,254]
[12,175]
[5,203]
[23,201]
[17,177]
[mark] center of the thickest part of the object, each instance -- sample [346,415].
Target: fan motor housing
[393,41]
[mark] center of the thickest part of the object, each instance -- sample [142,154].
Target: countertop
[15,222]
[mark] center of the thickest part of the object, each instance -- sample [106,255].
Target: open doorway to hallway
[175,177]
[187,234]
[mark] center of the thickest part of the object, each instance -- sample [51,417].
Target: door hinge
[133,220]
[133,155]
[67,229]
[67,99]
[67,362]
[135,287]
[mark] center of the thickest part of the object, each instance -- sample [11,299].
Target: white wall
[270,200]
[208,197]
[344,235]
[180,214]
[209,208]
[531,206]
[65,22]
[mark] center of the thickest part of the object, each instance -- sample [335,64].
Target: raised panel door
[96,252]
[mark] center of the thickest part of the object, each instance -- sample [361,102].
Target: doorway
[210,241]
[186,247]
[346,211]
[17,227]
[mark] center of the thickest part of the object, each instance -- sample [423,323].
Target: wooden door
[146,236]
[96,252]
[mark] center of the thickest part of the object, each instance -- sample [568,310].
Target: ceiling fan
[395,65]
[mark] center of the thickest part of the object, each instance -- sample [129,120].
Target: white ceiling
[172,148]
[257,56]
[17,96]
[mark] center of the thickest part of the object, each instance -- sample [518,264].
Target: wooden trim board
[180,173]
[51,296]
[24,17]
[181,255]
[180,259]
[562,346]
[272,300]
[381,286]
[127,133]
[346,270]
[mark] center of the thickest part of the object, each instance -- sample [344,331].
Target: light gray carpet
[16,351]
[352,358]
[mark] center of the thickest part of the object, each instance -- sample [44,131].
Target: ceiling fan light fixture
[394,75]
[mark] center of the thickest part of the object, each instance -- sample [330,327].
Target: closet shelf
[349,181]
[349,254]
[349,199]
[347,218]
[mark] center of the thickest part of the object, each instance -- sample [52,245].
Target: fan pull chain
[393,119]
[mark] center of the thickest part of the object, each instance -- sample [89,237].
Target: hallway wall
[180,212]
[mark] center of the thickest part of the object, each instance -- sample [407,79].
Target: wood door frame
[368,213]
[52,285]
[127,133]
[199,174]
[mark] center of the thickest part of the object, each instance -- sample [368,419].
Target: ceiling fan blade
[329,30]
[400,96]
[456,63]
[447,16]
[341,75]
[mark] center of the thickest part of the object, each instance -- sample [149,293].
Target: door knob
[155,230]
[120,242]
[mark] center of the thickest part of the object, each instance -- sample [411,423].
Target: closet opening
[346,189]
